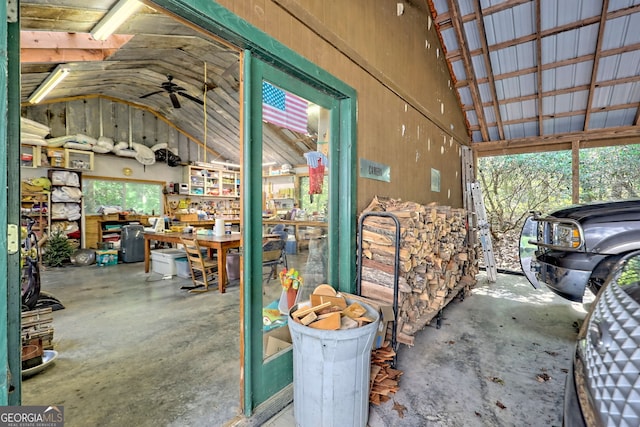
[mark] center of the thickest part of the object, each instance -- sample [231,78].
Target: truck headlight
[565,235]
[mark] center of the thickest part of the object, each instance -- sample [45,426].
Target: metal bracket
[12,11]
[13,239]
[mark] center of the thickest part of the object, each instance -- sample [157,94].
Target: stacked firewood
[435,261]
[384,379]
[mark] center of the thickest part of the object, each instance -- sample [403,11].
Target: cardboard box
[106,257]
[276,340]
[163,260]
[386,316]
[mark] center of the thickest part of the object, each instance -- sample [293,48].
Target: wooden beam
[596,63]
[468,66]
[539,68]
[626,134]
[62,40]
[59,56]
[487,64]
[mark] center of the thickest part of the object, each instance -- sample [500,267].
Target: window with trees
[133,196]
[311,203]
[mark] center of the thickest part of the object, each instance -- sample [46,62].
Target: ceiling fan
[172,89]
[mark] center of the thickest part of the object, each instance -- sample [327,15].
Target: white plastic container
[331,371]
[163,260]
[182,268]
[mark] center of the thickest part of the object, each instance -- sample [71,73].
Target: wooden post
[575,172]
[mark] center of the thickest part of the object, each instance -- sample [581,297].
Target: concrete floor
[137,350]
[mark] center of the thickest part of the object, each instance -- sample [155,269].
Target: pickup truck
[573,249]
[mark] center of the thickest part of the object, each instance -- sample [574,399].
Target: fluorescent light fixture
[211,164]
[114,18]
[47,86]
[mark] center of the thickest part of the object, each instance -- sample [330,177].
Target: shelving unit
[280,192]
[66,204]
[78,159]
[36,206]
[70,159]
[212,182]
[110,230]
[30,156]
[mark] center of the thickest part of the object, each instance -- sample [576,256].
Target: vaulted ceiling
[135,61]
[543,73]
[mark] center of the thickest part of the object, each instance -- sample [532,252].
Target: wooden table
[218,243]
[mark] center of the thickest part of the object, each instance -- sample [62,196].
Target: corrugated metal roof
[559,63]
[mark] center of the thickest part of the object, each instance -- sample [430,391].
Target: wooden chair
[204,271]
[273,254]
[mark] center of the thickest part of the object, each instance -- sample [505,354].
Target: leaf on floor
[542,378]
[500,405]
[400,408]
[551,353]
[497,380]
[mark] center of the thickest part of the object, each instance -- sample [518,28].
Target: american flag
[283,109]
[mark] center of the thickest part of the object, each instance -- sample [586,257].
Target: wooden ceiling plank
[596,61]
[488,66]
[468,66]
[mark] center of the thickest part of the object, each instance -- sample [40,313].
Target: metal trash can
[331,371]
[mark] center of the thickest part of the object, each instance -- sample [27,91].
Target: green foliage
[514,185]
[57,251]
[316,203]
[141,197]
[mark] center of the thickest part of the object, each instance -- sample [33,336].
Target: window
[311,203]
[140,197]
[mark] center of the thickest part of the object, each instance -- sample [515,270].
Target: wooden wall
[408,113]
[97,117]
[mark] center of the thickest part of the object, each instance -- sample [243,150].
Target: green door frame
[219,21]
[267,378]
[10,346]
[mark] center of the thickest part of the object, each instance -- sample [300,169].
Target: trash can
[331,371]
[233,265]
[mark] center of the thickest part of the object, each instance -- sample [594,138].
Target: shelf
[30,156]
[212,183]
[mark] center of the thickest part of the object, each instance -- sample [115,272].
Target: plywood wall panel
[91,126]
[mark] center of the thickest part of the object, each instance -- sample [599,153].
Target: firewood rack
[394,342]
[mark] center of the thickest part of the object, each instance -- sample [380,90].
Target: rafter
[488,66]
[596,62]
[58,47]
[468,66]
[539,68]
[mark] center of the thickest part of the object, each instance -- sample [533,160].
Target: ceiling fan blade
[193,98]
[152,93]
[174,100]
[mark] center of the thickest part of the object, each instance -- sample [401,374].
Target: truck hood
[613,211]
